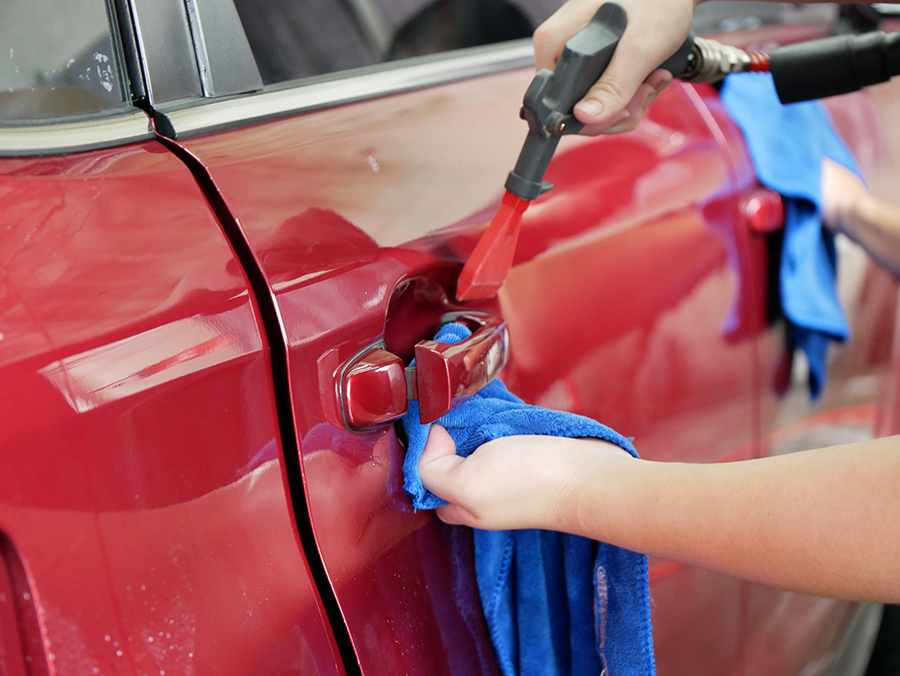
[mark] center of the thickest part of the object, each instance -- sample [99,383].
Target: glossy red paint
[655,289]
[638,296]
[649,328]
[625,302]
[328,249]
[860,398]
[148,527]
[771,643]
[373,390]
[145,519]
[859,401]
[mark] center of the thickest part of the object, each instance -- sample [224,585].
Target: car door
[787,632]
[145,525]
[186,311]
[359,196]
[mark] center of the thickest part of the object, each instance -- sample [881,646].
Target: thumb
[616,96]
[438,461]
[605,103]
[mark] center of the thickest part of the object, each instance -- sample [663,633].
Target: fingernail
[590,107]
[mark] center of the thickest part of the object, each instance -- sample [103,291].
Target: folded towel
[787,144]
[554,603]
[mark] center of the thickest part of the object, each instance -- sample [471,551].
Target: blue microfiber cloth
[554,603]
[787,144]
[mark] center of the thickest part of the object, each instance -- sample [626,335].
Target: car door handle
[445,375]
[375,387]
[763,210]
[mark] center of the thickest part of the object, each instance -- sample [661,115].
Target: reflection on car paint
[149,359]
[135,504]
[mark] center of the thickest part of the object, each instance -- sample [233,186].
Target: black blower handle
[552,95]
[586,56]
[820,68]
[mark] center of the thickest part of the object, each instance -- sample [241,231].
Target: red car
[223,225]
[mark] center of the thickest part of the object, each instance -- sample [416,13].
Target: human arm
[869,221]
[819,522]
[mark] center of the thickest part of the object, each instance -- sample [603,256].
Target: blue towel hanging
[787,144]
[555,604]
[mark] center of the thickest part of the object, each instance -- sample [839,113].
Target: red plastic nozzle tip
[487,267]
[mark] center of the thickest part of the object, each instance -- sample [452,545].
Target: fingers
[605,102]
[439,445]
[438,461]
[842,191]
[440,469]
[633,112]
[633,79]
[455,515]
[551,36]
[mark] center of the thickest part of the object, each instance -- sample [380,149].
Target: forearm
[821,522]
[875,225]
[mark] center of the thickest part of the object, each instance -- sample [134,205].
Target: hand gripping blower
[808,70]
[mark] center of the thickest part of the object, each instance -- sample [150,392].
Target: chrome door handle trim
[374,387]
[446,374]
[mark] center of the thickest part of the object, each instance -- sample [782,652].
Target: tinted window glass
[293,39]
[56,59]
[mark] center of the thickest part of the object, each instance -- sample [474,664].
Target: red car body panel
[631,300]
[148,528]
[789,630]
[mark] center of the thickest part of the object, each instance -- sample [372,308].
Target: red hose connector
[759,62]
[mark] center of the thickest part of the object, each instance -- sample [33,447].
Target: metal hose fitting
[711,61]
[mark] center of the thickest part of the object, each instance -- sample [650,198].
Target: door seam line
[275,336]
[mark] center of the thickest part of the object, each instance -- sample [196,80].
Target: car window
[293,39]
[56,59]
